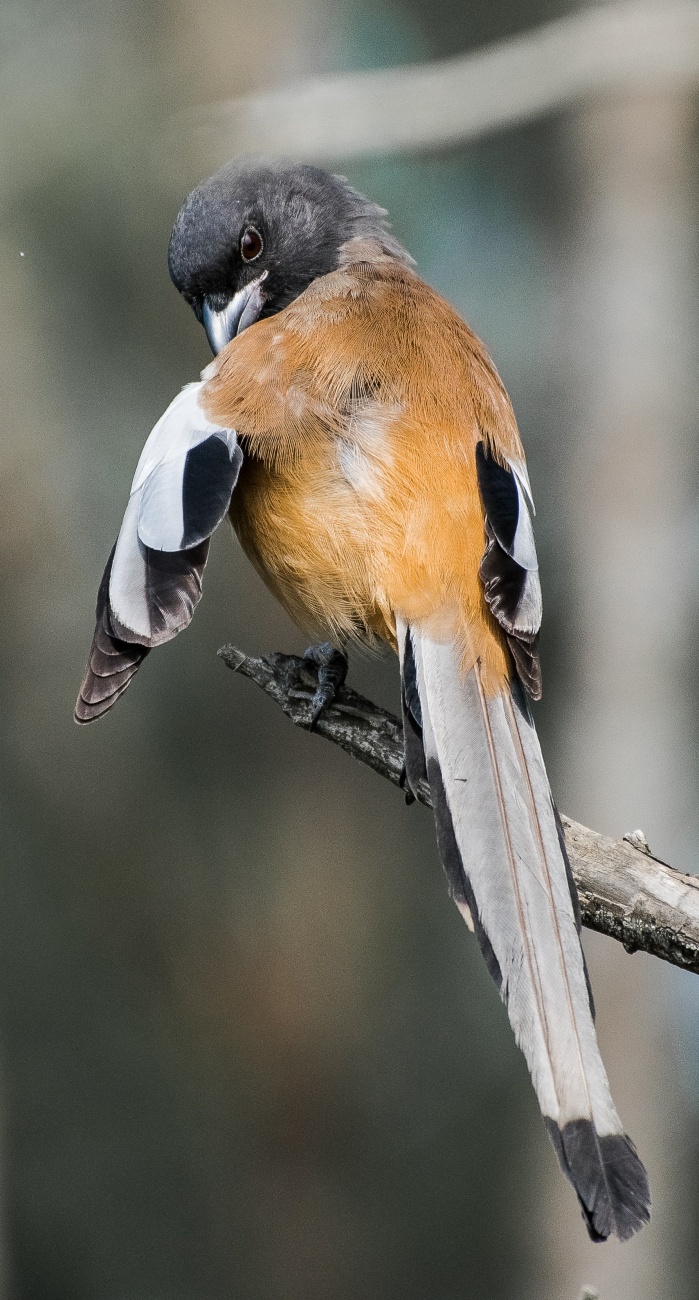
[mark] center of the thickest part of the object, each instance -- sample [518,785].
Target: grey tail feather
[112,662]
[499,838]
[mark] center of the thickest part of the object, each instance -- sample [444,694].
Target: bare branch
[624,891]
[432,105]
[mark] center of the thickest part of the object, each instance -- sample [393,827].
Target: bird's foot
[331,666]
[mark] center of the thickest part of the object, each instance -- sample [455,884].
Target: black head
[256,234]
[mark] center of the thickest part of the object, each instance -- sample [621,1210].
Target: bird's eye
[251,244]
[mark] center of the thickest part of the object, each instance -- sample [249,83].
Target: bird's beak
[243,309]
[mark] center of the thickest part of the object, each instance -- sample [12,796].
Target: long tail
[501,845]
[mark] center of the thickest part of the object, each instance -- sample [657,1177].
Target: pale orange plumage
[359,408]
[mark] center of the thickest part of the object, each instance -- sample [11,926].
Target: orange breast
[359,409]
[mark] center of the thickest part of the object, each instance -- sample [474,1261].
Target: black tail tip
[609,1179]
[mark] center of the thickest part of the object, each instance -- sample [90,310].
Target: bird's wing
[509,569]
[152,583]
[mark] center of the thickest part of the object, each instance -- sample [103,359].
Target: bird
[360,439]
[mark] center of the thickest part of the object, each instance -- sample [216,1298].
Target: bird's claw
[332,670]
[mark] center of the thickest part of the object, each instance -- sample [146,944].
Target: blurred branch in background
[624,891]
[433,105]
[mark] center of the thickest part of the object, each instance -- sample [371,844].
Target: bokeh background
[247,1049]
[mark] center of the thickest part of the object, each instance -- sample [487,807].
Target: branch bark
[445,102]
[624,891]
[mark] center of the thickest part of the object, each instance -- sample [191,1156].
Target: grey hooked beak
[243,309]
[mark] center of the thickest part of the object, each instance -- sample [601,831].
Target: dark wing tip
[102,684]
[609,1179]
[111,664]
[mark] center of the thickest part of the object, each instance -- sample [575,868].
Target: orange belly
[312,549]
[349,535]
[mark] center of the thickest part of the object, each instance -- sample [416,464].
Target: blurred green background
[247,1047]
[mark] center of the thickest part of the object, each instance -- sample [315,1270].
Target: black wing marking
[211,472]
[498,489]
[508,568]
[185,497]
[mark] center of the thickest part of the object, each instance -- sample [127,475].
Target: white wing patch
[160,480]
[128,587]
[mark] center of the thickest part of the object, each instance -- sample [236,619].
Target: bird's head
[251,238]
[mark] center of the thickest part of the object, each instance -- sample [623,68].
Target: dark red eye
[251,244]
